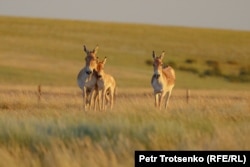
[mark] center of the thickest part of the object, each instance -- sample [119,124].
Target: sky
[221,14]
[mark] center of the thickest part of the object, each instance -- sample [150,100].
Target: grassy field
[49,52]
[54,131]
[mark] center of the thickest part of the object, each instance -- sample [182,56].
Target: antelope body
[163,81]
[106,86]
[86,79]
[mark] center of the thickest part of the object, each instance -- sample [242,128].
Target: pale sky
[225,14]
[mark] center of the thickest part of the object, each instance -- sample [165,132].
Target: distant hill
[49,52]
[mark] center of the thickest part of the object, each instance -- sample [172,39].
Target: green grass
[53,50]
[56,131]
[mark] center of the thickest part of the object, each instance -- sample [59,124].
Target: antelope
[86,79]
[162,81]
[106,86]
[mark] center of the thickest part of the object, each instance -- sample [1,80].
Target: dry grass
[56,131]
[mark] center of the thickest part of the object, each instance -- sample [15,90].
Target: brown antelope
[162,81]
[106,85]
[86,79]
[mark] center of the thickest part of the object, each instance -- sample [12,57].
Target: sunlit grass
[52,50]
[56,130]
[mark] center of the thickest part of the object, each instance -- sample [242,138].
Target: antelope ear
[162,55]
[85,49]
[105,59]
[96,49]
[153,54]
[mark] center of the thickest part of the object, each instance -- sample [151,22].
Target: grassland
[54,131]
[49,52]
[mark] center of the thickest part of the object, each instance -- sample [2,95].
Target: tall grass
[57,132]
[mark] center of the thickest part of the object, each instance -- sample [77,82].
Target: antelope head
[100,68]
[90,59]
[157,63]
